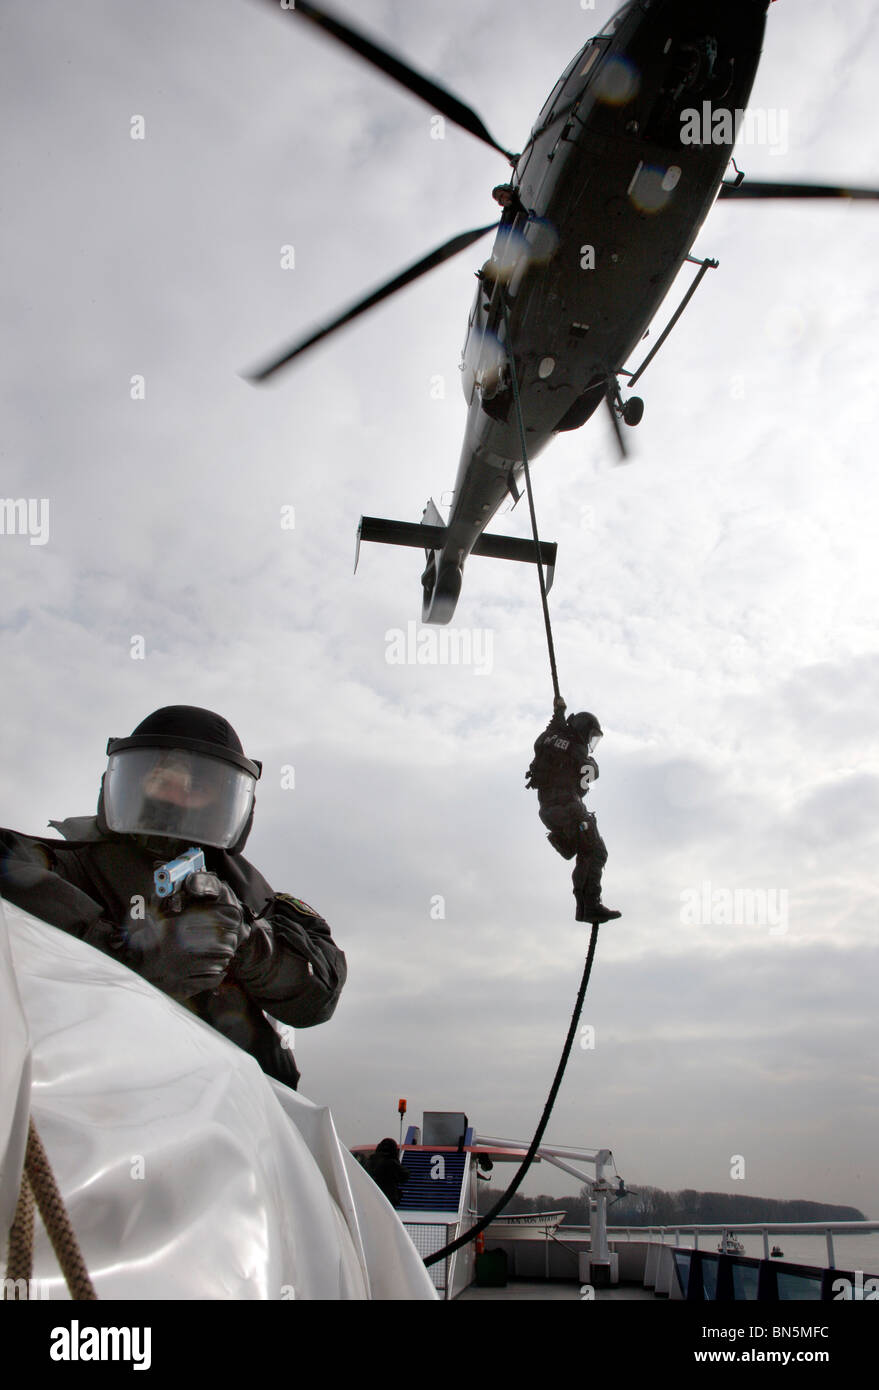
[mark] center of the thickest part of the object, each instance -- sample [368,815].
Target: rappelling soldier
[225,945]
[562,771]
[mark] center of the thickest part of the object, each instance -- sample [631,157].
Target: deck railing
[684,1270]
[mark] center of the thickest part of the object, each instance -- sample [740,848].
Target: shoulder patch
[298,903]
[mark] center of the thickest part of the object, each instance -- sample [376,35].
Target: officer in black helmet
[225,944]
[562,772]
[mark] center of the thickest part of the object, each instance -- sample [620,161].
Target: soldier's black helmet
[586,727]
[181,774]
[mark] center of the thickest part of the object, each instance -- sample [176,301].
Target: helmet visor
[593,742]
[179,794]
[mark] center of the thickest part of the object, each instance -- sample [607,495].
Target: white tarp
[187,1172]
[15,1078]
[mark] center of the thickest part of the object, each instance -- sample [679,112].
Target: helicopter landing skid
[704,267]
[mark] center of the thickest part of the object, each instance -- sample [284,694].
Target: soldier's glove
[255,959]
[185,943]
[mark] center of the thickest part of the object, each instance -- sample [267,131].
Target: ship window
[745,1278]
[798,1288]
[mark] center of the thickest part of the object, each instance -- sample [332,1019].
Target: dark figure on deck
[562,771]
[224,944]
[386,1170]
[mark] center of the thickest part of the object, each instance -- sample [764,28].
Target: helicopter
[622,166]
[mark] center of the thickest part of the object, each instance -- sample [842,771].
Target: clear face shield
[594,741]
[178,794]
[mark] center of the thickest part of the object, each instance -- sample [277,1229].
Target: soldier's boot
[591,910]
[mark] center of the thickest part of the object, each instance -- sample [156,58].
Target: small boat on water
[776,1253]
[730,1245]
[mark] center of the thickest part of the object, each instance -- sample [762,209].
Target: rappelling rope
[544,1119]
[546,619]
[38,1184]
[502,1201]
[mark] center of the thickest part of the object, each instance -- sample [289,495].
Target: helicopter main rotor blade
[439,98]
[756,189]
[399,282]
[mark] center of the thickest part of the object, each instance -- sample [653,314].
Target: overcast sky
[715,601]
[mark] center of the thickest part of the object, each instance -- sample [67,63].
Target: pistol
[168,877]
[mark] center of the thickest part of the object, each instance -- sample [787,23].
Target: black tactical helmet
[187,726]
[182,774]
[586,727]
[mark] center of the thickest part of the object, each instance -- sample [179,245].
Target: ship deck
[554,1290]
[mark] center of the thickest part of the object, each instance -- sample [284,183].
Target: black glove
[186,942]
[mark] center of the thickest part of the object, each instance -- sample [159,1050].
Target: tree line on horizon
[651,1206]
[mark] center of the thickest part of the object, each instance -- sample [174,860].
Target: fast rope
[38,1184]
[502,1201]
[546,619]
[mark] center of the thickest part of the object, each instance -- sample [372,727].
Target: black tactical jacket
[387,1172]
[556,771]
[86,884]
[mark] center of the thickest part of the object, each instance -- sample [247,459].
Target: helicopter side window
[591,55]
[550,103]
[576,65]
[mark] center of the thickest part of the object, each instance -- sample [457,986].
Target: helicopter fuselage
[605,204]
